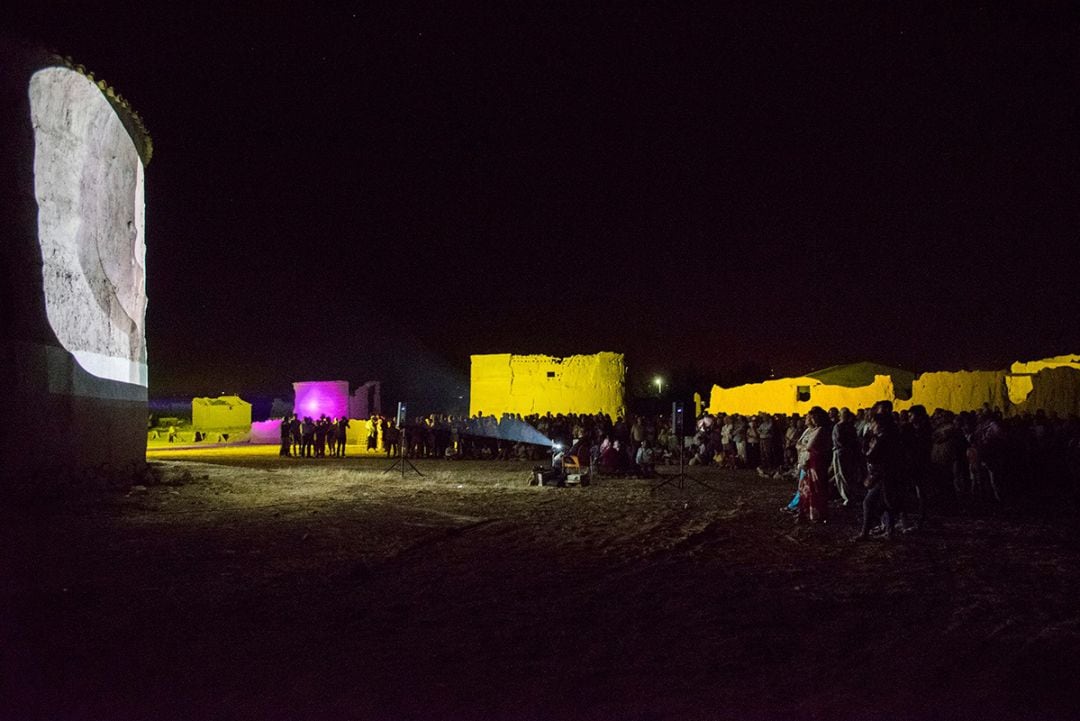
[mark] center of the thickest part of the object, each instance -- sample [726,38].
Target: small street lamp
[659,385]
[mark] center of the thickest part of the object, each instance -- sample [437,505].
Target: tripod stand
[679,479]
[402,461]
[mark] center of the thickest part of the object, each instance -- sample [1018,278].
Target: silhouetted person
[342,425]
[286,437]
[320,437]
[297,438]
[884,456]
[307,437]
[391,438]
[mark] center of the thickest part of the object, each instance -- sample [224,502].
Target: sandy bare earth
[238,585]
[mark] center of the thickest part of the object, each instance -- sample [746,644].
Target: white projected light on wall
[88,183]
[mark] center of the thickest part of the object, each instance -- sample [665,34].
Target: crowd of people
[901,465]
[312,438]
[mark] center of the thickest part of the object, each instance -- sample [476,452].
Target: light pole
[659,386]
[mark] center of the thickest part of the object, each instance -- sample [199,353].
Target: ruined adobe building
[73,299]
[1051,384]
[526,384]
[221,413]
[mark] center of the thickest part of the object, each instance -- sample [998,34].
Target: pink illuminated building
[316,398]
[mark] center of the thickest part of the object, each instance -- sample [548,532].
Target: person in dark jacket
[846,456]
[286,437]
[342,427]
[307,437]
[918,441]
[884,458]
[297,437]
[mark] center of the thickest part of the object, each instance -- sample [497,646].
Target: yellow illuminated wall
[1061,361]
[211,414]
[1052,384]
[504,383]
[1054,390]
[782,396]
[959,391]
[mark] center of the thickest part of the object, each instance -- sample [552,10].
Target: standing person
[989,443]
[765,443]
[918,440]
[307,437]
[947,457]
[738,435]
[297,437]
[792,434]
[342,427]
[331,434]
[846,456]
[391,437]
[320,436]
[286,437]
[813,460]
[884,456]
[637,432]
[753,454]
[372,432]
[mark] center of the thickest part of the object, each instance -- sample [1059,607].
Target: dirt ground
[237,585]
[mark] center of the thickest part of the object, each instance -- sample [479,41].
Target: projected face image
[88,182]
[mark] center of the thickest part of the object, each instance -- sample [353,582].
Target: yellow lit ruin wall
[220,413]
[1049,384]
[959,391]
[781,396]
[1053,388]
[504,383]
[1060,361]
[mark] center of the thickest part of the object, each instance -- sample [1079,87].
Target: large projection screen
[88,182]
[73,354]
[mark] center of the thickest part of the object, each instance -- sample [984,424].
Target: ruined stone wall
[782,396]
[958,391]
[526,384]
[72,343]
[1032,367]
[211,414]
[366,400]
[1055,390]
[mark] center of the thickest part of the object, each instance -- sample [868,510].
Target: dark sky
[377,191]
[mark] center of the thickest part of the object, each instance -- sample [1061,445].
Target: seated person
[645,460]
[580,451]
[613,461]
[702,454]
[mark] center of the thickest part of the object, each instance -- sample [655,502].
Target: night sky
[364,191]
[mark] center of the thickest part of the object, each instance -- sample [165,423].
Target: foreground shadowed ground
[244,586]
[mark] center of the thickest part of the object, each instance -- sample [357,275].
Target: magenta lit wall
[266,431]
[315,398]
